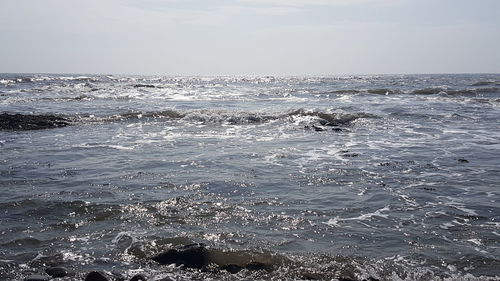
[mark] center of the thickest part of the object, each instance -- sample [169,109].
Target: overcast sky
[254,37]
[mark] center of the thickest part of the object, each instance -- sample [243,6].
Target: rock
[192,256]
[257,266]
[36,277]
[317,129]
[138,277]
[232,268]
[144,86]
[350,155]
[57,272]
[337,130]
[31,122]
[96,276]
[462,160]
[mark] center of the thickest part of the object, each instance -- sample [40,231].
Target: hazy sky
[280,37]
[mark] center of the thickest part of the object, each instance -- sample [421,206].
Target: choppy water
[389,177]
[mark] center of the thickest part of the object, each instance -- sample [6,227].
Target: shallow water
[390,177]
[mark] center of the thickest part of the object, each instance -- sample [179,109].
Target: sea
[351,177]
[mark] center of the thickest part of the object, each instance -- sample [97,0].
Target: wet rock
[318,129]
[232,268]
[144,86]
[350,155]
[57,272]
[258,266]
[138,277]
[192,256]
[14,122]
[337,130]
[96,276]
[36,277]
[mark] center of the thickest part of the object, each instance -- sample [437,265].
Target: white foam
[364,217]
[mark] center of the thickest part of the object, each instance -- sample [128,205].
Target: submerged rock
[138,277]
[57,272]
[96,276]
[258,266]
[232,268]
[252,266]
[192,256]
[31,122]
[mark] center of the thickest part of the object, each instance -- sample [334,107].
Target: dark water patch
[21,122]
[427,91]
[337,92]
[384,91]
[23,242]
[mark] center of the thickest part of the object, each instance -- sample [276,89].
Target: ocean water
[393,177]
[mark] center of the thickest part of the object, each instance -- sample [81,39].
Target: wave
[38,78]
[422,91]
[486,83]
[303,117]
[222,117]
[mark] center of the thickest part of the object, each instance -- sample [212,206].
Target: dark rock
[36,277]
[96,276]
[144,86]
[350,155]
[462,160]
[57,271]
[337,130]
[192,256]
[232,268]
[257,266]
[31,122]
[138,277]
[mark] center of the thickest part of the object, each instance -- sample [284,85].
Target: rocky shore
[14,122]
[192,257]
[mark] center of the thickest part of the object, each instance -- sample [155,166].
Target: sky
[249,37]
